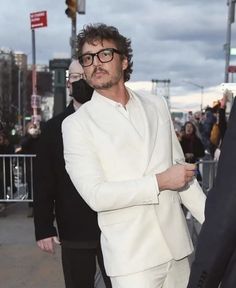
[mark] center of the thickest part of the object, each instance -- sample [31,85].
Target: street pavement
[22,264]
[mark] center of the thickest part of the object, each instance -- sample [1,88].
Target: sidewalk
[22,264]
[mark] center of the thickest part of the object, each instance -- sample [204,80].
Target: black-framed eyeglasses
[104,56]
[75,77]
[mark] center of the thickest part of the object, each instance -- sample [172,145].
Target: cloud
[175,39]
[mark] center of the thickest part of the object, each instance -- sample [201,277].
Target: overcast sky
[180,40]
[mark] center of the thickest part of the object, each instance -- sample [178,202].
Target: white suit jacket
[113,169]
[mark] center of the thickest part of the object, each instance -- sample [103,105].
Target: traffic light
[72,8]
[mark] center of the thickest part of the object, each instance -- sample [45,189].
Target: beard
[106,84]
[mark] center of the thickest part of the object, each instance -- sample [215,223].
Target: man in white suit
[121,153]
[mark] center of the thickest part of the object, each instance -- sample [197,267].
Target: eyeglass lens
[75,76]
[104,56]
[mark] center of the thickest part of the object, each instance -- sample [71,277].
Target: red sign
[232,69]
[38,19]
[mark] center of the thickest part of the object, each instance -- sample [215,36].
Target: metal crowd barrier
[16,177]
[208,170]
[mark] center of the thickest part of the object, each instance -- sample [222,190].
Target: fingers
[189,177]
[188,172]
[176,177]
[56,240]
[46,245]
[189,166]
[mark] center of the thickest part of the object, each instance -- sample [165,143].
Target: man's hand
[47,244]
[176,177]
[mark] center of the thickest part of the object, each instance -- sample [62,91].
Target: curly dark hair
[99,32]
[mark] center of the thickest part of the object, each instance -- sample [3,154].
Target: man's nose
[96,61]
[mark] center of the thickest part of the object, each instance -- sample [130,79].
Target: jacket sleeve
[44,188]
[87,175]
[192,197]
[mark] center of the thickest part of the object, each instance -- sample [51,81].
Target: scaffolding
[162,88]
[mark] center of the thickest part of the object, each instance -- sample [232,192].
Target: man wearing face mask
[77,229]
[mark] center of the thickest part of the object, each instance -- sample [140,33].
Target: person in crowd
[205,127]
[77,228]
[121,150]
[191,144]
[220,126]
[28,145]
[6,182]
[196,120]
[215,259]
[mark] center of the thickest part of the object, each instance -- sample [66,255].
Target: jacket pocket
[117,216]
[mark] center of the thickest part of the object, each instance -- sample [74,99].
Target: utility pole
[73,40]
[230,20]
[37,20]
[74,7]
[34,73]
[19,97]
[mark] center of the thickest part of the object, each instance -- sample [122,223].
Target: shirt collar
[100,97]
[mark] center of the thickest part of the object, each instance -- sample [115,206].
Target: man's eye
[87,57]
[106,53]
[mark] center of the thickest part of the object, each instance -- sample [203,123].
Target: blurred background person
[205,127]
[191,144]
[220,126]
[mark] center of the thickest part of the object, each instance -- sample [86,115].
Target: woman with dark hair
[191,144]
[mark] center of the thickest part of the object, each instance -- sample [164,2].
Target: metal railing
[208,170]
[16,177]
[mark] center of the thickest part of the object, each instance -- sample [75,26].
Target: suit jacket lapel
[150,117]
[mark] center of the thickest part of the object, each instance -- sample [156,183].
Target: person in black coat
[215,259]
[77,228]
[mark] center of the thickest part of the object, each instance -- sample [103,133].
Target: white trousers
[173,274]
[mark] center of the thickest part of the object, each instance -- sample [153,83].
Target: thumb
[56,240]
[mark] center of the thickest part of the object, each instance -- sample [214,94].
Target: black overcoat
[215,259]
[55,194]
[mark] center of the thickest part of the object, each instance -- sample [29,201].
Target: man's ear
[124,63]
